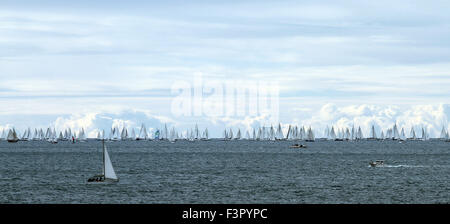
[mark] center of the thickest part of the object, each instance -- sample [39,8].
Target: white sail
[107,166]
[247,135]
[82,135]
[3,135]
[24,137]
[412,133]
[279,132]
[303,133]
[396,133]
[12,135]
[258,136]
[326,133]
[172,135]
[29,134]
[347,134]
[353,134]
[373,134]
[197,133]
[310,134]
[143,133]
[238,135]
[272,136]
[424,134]
[165,134]
[332,134]
[191,136]
[116,133]
[47,133]
[124,134]
[359,134]
[340,134]
[443,133]
[402,134]
[289,133]
[389,133]
[205,134]
[295,133]
[35,135]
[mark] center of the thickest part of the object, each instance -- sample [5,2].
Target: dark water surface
[227,172]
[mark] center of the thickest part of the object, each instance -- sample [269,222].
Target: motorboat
[297,146]
[376,163]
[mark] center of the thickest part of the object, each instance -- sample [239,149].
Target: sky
[96,64]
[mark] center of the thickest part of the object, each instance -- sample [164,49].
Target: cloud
[95,122]
[431,117]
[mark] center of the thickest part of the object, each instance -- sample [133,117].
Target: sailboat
[396,133]
[310,135]
[247,135]
[279,133]
[443,133]
[359,134]
[26,135]
[238,135]
[52,137]
[424,135]
[197,133]
[373,134]
[3,135]
[133,135]
[12,136]
[82,136]
[412,134]
[332,135]
[205,136]
[108,174]
[347,134]
[402,135]
[143,133]
[172,135]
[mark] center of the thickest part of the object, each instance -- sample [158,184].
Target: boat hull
[101,179]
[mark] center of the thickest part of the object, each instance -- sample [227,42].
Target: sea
[216,172]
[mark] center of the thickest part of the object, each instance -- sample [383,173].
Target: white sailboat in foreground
[108,171]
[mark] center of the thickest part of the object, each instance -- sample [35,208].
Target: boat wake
[400,166]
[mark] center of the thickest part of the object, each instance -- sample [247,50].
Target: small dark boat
[376,163]
[297,146]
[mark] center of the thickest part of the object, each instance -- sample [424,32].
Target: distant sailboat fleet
[263,133]
[391,134]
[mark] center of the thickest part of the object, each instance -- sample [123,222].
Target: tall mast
[104,166]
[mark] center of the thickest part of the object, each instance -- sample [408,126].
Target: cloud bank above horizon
[431,118]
